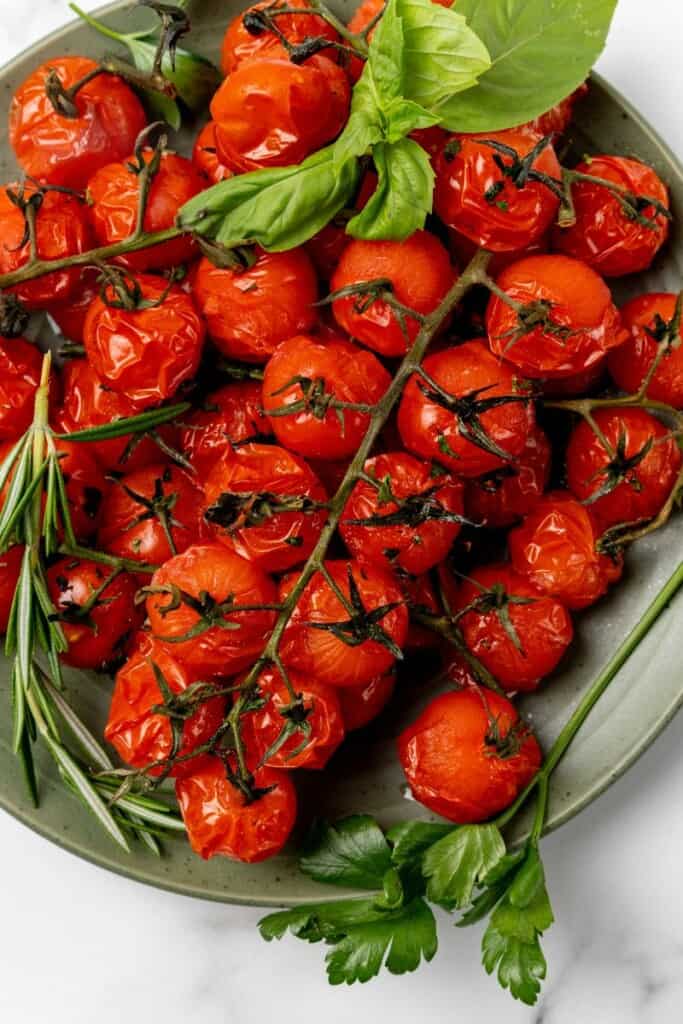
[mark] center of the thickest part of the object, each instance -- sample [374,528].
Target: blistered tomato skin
[20,365]
[605,235]
[361,704]
[476,197]
[240,45]
[205,156]
[68,150]
[249,312]
[457,758]
[220,821]
[429,423]
[228,417]
[650,321]
[10,567]
[504,496]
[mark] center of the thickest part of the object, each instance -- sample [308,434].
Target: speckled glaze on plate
[365,775]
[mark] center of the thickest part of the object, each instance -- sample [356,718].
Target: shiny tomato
[630,482]
[220,820]
[345,643]
[10,568]
[361,704]
[416,274]
[556,120]
[651,321]
[468,755]
[326,247]
[148,351]
[85,484]
[247,37]
[612,238]
[205,156]
[266,504]
[486,189]
[66,148]
[70,315]
[229,416]
[504,496]
[249,312]
[20,368]
[468,413]
[567,321]
[272,113]
[189,607]
[302,382]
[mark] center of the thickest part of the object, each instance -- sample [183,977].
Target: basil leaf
[541,51]
[404,116]
[384,67]
[353,852]
[403,197]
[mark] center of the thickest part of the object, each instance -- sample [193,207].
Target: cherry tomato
[148,351]
[229,417]
[96,608]
[142,737]
[326,247]
[502,497]
[408,520]
[464,249]
[420,595]
[486,189]
[632,481]
[302,381]
[320,712]
[85,484]
[583,383]
[70,315]
[220,820]
[205,156]
[459,420]
[361,704]
[249,312]
[189,606]
[567,321]
[247,38]
[340,643]
[431,139]
[556,120]
[651,320]
[63,149]
[10,568]
[518,633]
[613,239]
[266,504]
[468,755]
[417,274]
[20,368]
[273,113]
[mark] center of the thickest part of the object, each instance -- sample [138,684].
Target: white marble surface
[80,946]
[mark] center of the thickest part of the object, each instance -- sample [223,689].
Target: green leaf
[411,839]
[403,197]
[541,51]
[353,852]
[129,425]
[404,116]
[462,860]
[383,73]
[195,78]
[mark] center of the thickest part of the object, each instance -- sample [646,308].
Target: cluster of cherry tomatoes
[229,524]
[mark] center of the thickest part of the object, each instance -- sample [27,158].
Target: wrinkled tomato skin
[412,548]
[70,315]
[450,758]
[349,373]
[319,653]
[281,539]
[249,312]
[431,431]
[556,120]
[205,156]
[62,229]
[20,367]
[556,549]
[273,113]
[503,497]
[513,218]
[420,273]
[604,236]
[220,821]
[360,705]
[263,727]
[239,45]
[64,150]
[629,364]
[580,303]
[649,484]
[101,637]
[10,567]
[145,354]
[543,627]
[326,247]
[86,487]
[114,197]
[213,570]
[141,737]
[230,416]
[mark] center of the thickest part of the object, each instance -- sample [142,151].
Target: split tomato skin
[205,156]
[229,417]
[503,497]
[10,568]
[646,318]
[360,705]
[20,368]
[468,755]
[240,45]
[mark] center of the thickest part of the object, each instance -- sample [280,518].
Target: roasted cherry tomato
[619,232]
[305,387]
[467,413]
[326,247]
[95,606]
[407,520]
[145,351]
[189,607]
[273,113]
[249,312]
[205,156]
[20,367]
[345,643]
[85,484]
[630,482]
[566,323]
[420,595]
[488,190]
[70,315]
[142,737]
[556,120]
[652,320]
[468,755]
[271,731]
[362,704]
[248,35]
[229,417]
[10,568]
[411,275]
[266,504]
[502,497]
[517,632]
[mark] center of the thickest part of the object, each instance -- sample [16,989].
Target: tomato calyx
[362,625]
[380,289]
[413,511]
[159,506]
[212,613]
[520,171]
[504,745]
[237,511]
[256,22]
[317,400]
[498,601]
[620,469]
[633,206]
[81,614]
[120,289]
[666,333]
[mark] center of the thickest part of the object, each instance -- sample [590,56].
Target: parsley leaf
[410,839]
[463,859]
[353,852]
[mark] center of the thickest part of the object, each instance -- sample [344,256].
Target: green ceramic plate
[365,775]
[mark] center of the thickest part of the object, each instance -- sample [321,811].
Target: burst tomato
[20,368]
[247,37]
[504,496]
[361,704]
[10,568]
[651,320]
[229,417]
[205,156]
